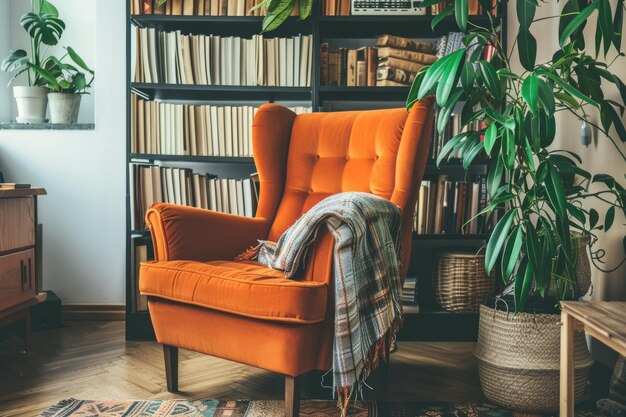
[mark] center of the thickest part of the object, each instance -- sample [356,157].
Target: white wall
[5,101]
[79,34]
[83,171]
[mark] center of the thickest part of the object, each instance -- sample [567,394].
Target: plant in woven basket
[539,191]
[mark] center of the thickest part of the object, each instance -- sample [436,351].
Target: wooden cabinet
[18,254]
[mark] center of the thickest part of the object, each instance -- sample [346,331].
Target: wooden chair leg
[292,396]
[170,353]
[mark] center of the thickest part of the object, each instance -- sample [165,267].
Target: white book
[192,148]
[304,62]
[172,58]
[207,60]
[297,50]
[176,182]
[247,197]
[224,195]
[309,68]
[162,127]
[241,129]
[282,62]
[201,59]
[252,61]
[228,130]
[212,197]
[260,59]
[225,68]
[195,180]
[221,129]
[154,59]
[240,206]
[235,128]
[169,185]
[246,131]
[289,61]
[182,79]
[232,196]
[216,60]
[215,144]
[145,55]
[208,138]
[184,194]
[164,57]
[236,61]
[270,63]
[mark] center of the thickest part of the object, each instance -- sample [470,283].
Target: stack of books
[444,206]
[196,130]
[175,58]
[399,59]
[151,184]
[200,8]
[409,291]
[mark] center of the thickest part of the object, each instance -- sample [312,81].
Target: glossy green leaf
[556,192]
[505,121]
[525,12]
[546,97]
[508,149]
[449,77]
[14,61]
[490,77]
[467,76]
[276,17]
[446,111]
[523,283]
[433,75]
[530,92]
[43,28]
[450,145]
[494,177]
[460,13]
[411,98]
[605,23]
[511,253]
[594,217]
[618,23]
[78,60]
[305,8]
[490,138]
[527,49]
[576,22]
[472,153]
[569,89]
[497,239]
[609,218]
[567,100]
[439,17]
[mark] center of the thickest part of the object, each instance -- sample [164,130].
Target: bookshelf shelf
[220,92]
[370,26]
[220,25]
[138,157]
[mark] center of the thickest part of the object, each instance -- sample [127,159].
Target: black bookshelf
[430,323]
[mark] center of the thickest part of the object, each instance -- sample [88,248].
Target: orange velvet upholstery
[202,300]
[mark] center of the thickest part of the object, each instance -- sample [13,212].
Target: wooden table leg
[567,365]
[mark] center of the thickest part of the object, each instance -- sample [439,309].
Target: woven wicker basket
[518,358]
[460,281]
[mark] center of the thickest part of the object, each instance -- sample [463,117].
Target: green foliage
[538,191]
[44,27]
[63,77]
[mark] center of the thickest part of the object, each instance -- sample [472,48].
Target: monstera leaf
[15,61]
[43,28]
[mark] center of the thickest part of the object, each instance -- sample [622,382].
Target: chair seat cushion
[242,288]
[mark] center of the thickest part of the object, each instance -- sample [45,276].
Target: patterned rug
[308,408]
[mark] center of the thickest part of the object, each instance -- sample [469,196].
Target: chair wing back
[303,159]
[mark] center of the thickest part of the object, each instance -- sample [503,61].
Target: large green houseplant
[44,28]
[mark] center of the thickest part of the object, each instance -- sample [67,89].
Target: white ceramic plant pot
[64,107]
[31,104]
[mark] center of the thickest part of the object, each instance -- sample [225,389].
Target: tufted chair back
[303,159]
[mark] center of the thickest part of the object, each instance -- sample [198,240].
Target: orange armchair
[202,300]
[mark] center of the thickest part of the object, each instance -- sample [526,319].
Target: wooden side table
[604,320]
[18,255]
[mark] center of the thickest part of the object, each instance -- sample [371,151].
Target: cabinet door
[17,223]
[17,278]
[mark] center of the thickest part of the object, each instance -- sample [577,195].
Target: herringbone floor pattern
[91,360]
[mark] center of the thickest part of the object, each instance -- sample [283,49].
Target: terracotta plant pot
[31,104]
[64,107]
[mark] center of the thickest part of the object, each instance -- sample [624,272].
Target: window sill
[46,126]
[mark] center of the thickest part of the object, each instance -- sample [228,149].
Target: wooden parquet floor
[91,360]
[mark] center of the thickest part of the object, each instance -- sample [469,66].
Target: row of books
[196,130]
[175,58]
[152,183]
[394,61]
[474,7]
[444,206]
[200,8]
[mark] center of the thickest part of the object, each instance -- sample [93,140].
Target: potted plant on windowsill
[540,192]
[67,82]
[45,28]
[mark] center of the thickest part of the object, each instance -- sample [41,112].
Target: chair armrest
[188,233]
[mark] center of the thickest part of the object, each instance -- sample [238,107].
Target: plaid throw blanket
[368,277]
